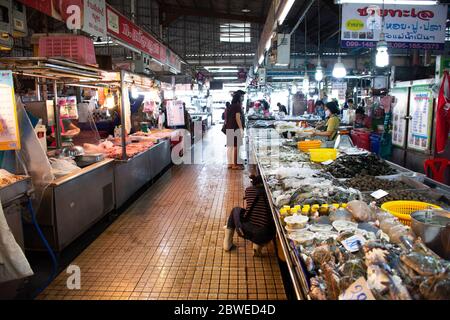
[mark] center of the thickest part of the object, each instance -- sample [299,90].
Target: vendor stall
[80,173]
[338,223]
[67,201]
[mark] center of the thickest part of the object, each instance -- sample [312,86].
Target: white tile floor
[168,244]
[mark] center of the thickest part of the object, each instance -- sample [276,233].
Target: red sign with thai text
[123,29]
[54,8]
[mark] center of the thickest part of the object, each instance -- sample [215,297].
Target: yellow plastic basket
[306,145]
[403,209]
[322,154]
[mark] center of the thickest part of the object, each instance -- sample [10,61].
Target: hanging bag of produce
[443,114]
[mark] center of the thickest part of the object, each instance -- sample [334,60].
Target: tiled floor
[168,244]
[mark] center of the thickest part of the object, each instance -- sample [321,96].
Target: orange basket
[306,145]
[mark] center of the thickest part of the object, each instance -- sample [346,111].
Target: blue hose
[47,246]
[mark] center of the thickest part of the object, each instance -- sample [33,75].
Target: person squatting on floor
[255,222]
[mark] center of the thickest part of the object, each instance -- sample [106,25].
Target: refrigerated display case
[413,123]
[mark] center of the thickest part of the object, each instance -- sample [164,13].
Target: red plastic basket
[73,47]
[361,139]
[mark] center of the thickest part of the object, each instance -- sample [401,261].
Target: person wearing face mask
[333,122]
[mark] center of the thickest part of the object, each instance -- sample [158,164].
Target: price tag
[327,162]
[358,290]
[379,194]
[353,243]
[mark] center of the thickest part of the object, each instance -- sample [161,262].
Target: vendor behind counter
[332,124]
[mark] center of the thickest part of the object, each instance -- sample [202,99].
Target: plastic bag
[340,215]
[383,215]
[387,224]
[360,211]
[62,167]
[13,263]
[398,231]
[32,156]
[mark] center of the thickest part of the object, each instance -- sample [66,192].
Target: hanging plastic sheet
[443,114]
[13,263]
[32,156]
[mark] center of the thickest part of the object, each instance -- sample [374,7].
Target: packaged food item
[387,224]
[296,222]
[302,237]
[340,214]
[398,231]
[343,225]
[325,235]
[360,211]
[320,227]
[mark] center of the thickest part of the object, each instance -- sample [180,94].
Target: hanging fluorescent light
[261,59]
[268,44]
[287,77]
[382,57]
[407,2]
[339,70]
[225,78]
[319,73]
[285,11]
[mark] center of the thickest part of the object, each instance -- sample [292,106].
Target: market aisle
[168,244]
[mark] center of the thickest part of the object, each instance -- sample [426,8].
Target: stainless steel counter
[132,174]
[72,204]
[298,276]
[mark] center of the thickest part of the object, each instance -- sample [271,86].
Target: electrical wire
[318,29]
[340,29]
[47,246]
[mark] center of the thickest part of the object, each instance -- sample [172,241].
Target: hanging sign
[95,17]
[399,113]
[172,61]
[405,26]
[420,110]
[340,87]
[123,29]
[9,127]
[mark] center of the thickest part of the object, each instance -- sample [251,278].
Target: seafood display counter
[72,204]
[334,234]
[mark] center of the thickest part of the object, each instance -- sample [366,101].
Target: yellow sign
[354,24]
[9,127]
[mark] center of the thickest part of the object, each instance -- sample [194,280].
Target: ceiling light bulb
[319,73]
[294,89]
[339,70]
[109,101]
[134,92]
[382,57]
[305,86]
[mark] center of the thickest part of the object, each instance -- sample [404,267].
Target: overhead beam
[171,13]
